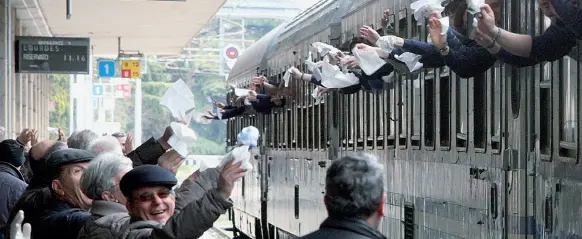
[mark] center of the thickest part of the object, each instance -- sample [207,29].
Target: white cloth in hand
[369,61]
[17,231]
[182,137]
[411,60]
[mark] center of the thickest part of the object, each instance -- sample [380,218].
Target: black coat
[346,228]
[12,186]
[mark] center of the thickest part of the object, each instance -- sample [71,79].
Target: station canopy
[156,27]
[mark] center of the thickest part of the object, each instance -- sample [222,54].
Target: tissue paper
[333,77]
[313,68]
[182,137]
[318,96]
[287,77]
[180,101]
[444,25]
[324,49]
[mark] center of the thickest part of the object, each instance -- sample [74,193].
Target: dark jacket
[12,186]
[466,58]
[556,42]
[570,15]
[264,105]
[100,209]
[58,219]
[197,207]
[345,229]
[146,153]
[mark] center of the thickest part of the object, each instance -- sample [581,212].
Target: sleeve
[469,61]
[147,153]
[431,58]
[197,217]
[570,15]
[517,61]
[554,44]
[192,190]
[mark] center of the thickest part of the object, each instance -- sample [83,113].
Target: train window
[380,119]
[392,114]
[403,108]
[480,111]
[275,127]
[445,112]
[461,95]
[495,102]
[569,108]
[545,120]
[429,109]
[416,111]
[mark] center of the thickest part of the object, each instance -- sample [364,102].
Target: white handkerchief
[369,61]
[182,137]
[317,95]
[241,92]
[411,60]
[445,25]
[324,49]
[333,77]
[179,100]
[474,6]
[287,77]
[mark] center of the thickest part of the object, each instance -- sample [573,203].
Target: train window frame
[480,111]
[568,151]
[429,108]
[445,112]
[461,109]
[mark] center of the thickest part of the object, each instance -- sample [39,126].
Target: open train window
[429,109]
[403,109]
[461,96]
[545,120]
[416,109]
[568,109]
[445,112]
[480,112]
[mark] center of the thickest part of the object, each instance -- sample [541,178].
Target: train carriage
[494,156]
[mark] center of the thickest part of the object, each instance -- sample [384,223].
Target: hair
[34,171]
[82,139]
[100,174]
[105,144]
[354,186]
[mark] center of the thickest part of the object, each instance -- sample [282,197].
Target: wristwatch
[444,49]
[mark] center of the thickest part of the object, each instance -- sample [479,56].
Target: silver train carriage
[495,156]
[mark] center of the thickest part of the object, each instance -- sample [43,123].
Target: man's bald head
[40,149]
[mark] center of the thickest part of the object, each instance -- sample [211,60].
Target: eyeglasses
[149,196]
[118,135]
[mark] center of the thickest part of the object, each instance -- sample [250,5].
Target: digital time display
[53,55]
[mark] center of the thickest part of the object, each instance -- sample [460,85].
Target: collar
[10,169]
[103,208]
[353,225]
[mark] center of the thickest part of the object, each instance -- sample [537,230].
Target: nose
[156,200]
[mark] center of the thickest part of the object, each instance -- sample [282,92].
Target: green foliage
[60,95]
[207,147]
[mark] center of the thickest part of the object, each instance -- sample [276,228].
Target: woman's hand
[435,33]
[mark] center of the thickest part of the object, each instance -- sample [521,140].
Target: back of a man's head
[105,144]
[82,139]
[354,187]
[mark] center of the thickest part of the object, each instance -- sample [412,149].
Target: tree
[59,118]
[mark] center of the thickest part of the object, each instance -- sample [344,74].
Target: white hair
[100,174]
[105,144]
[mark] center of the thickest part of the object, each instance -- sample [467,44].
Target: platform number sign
[106,68]
[130,69]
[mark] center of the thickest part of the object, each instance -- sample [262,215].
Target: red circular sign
[231,53]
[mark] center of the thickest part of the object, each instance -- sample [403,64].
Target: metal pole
[8,66]
[137,111]
[71,101]
[69,9]
[221,55]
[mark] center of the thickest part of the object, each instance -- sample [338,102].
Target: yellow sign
[130,69]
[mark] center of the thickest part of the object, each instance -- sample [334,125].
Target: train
[494,156]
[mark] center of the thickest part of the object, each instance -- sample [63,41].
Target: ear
[57,187]
[108,196]
[380,209]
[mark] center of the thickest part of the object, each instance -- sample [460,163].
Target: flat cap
[12,152]
[64,157]
[144,176]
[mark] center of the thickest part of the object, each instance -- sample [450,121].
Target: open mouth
[155,213]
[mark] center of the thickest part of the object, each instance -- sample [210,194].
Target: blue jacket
[264,104]
[570,15]
[466,58]
[12,186]
[556,42]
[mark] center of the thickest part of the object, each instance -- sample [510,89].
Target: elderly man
[155,213]
[354,198]
[105,144]
[100,182]
[63,207]
[82,139]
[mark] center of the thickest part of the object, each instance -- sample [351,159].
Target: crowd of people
[464,37]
